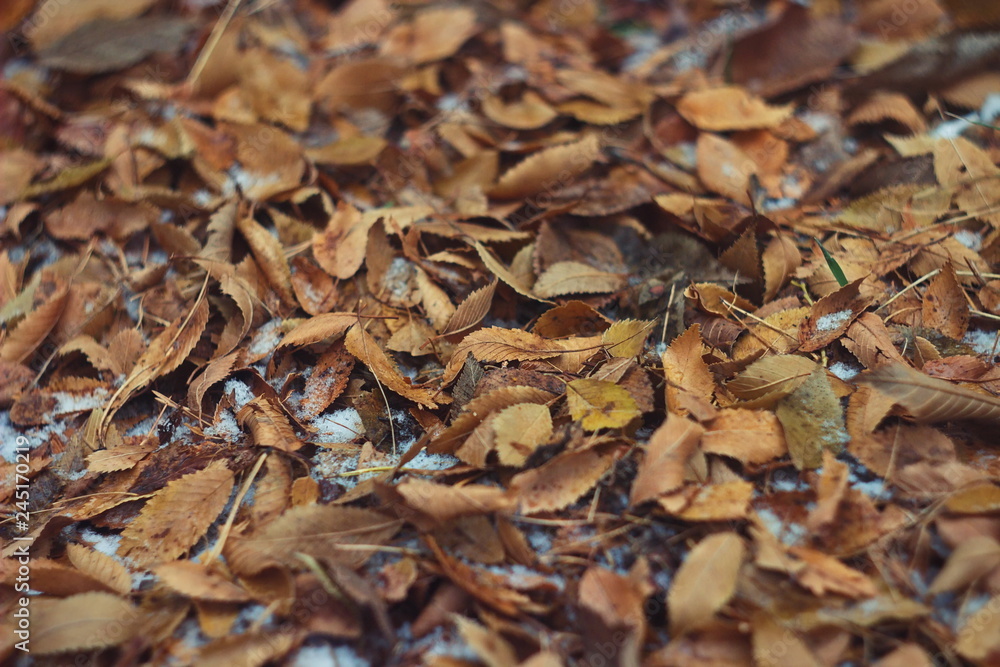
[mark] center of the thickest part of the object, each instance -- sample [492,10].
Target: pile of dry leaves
[547,333]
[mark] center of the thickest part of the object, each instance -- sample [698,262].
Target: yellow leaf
[626,338]
[597,404]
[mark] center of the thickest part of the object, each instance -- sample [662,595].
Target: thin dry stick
[228,526]
[213,41]
[385,399]
[906,289]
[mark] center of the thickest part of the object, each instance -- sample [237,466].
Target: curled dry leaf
[361,344]
[730,108]
[831,316]
[597,404]
[499,344]
[929,400]
[444,503]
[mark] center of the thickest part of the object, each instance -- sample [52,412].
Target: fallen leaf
[597,404]
[705,581]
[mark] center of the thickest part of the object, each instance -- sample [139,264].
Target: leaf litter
[548,334]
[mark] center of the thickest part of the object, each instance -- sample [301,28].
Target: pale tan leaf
[520,430]
[100,566]
[177,516]
[931,400]
[80,622]
[508,276]
[750,436]
[479,409]
[730,108]
[547,168]
[444,502]
[472,310]
[196,581]
[780,259]
[771,377]
[705,581]
[667,454]
[971,560]
[361,344]
[576,278]
[327,531]
[493,650]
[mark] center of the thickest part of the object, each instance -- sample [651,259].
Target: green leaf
[835,269]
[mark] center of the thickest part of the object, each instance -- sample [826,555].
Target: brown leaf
[751,436]
[472,310]
[944,305]
[361,344]
[316,530]
[729,108]
[664,466]
[831,315]
[318,328]
[176,517]
[33,329]
[686,370]
[869,340]
[499,344]
[705,581]
[771,378]
[268,425]
[105,45]
[547,168]
[444,503]
[80,622]
[929,400]
[562,480]
[196,581]
[576,278]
